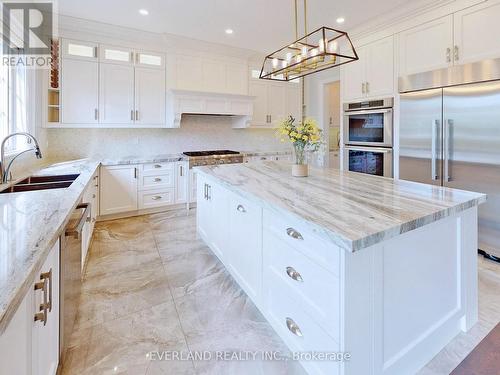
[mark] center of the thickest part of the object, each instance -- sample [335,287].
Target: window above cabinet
[79,49]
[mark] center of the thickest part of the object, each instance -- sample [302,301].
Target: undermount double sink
[34,183]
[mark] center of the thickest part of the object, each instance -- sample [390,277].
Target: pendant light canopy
[321,49]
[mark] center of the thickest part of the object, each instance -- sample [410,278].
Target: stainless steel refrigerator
[450,136]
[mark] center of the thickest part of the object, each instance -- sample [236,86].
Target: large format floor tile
[153,289]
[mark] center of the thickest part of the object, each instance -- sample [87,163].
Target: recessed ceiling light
[229,31]
[144,12]
[340,20]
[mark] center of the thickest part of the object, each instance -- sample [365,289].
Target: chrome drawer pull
[157,179]
[156,198]
[157,166]
[293,327]
[294,234]
[241,208]
[293,274]
[44,306]
[48,276]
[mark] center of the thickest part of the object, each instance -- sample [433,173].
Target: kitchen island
[340,262]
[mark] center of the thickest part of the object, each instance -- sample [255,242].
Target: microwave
[369,123]
[377,161]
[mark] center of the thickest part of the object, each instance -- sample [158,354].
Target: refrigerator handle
[446,145]
[434,150]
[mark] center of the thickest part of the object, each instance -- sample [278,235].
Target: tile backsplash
[195,133]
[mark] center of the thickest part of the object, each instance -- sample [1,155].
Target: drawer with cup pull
[157,168]
[304,239]
[299,331]
[156,198]
[165,180]
[289,272]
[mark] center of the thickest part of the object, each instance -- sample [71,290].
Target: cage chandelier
[319,50]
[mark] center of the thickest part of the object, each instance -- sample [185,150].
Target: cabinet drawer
[157,198]
[301,238]
[157,168]
[286,315]
[294,275]
[157,181]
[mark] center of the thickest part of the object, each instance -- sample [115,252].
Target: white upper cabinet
[353,77]
[380,68]
[116,87]
[274,101]
[373,74]
[116,55]
[149,96]
[210,75]
[277,96]
[81,50]
[426,47]
[477,31]
[80,89]
[260,114]
[149,59]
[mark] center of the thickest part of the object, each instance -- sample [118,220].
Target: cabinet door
[236,79]
[80,92]
[353,75]
[15,340]
[219,219]
[77,49]
[277,103]
[203,209]
[476,33]
[116,87]
[45,340]
[260,114]
[426,47]
[118,189]
[193,186]
[116,55]
[245,256]
[380,68]
[294,101]
[149,96]
[181,182]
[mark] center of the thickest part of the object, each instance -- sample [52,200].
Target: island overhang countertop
[352,210]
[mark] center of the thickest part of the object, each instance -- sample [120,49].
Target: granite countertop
[135,159]
[31,224]
[351,210]
[266,153]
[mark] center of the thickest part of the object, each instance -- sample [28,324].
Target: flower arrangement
[305,136]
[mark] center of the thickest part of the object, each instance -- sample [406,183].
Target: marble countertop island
[31,224]
[352,210]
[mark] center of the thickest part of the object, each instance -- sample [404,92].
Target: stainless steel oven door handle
[434,151]
[76,231]
[368,112]
[370,149]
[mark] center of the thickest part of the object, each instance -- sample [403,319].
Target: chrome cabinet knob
[294,234]
[293,327]
[294,274]
[241,208]
[157,179]
[156,198]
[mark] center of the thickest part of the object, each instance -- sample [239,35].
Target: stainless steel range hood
[482,71]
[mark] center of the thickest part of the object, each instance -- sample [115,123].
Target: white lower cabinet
[244,250]
[127,188]
[291,275]
[29,346]
[118,189]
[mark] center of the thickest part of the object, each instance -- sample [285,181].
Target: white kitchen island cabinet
[341,262]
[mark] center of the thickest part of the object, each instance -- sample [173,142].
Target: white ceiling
[260,25]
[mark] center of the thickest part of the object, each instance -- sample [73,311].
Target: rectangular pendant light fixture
[319,50]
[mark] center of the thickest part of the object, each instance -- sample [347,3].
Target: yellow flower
[305,138]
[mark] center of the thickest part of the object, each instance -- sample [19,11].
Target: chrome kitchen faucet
[5,170]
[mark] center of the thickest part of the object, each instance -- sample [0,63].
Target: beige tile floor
[151,285]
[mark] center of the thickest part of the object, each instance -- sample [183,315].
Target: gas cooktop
[210,153]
